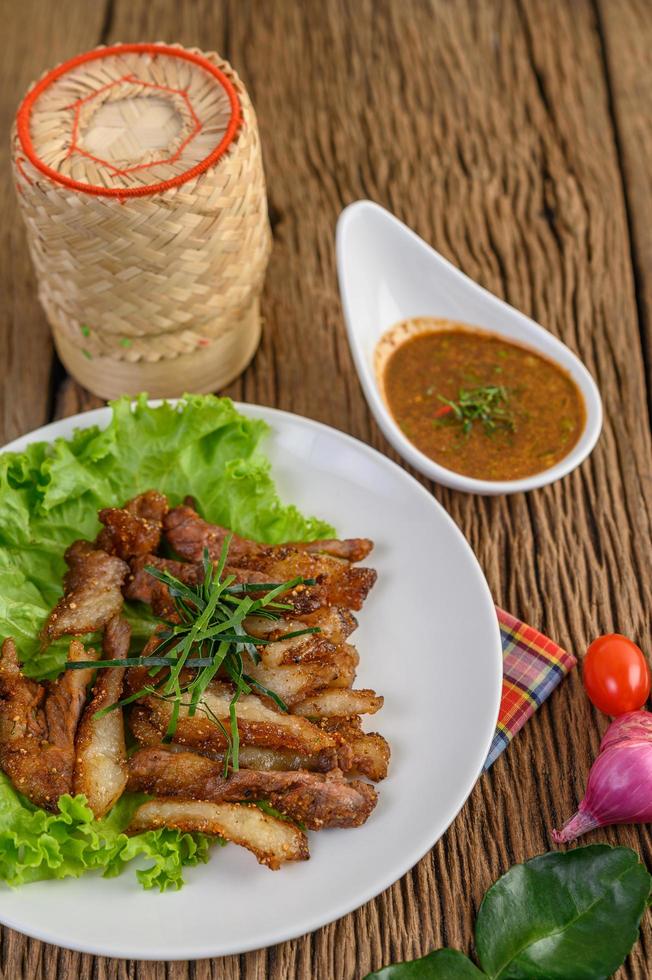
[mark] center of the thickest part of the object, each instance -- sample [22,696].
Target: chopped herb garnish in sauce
[209,638]
[488,406]
[477,403]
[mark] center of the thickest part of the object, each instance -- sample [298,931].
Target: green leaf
[570,915]
[35,845]
[442,964]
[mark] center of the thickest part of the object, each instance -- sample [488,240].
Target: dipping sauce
[477,403]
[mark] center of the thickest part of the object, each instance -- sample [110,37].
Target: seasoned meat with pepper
[38,723]
[337,583]
[313,799]
[272,840]
[92,592]
[189,534]
[143,587]
[134,529]
[101,764]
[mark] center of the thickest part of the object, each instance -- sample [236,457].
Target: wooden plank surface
[626,34]
[507,134]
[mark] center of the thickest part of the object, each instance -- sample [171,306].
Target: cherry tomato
[616,675]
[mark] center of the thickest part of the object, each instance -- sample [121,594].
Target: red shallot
[619,789]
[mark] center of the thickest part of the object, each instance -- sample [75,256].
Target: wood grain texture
[626,34]
[25,347]
[506,133]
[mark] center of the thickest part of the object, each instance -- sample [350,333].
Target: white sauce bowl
[388,274]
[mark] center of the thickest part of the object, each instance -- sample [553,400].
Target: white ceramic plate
[428,641]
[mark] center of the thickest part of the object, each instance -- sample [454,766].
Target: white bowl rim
[560,354]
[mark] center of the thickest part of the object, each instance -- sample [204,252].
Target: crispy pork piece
[313,650]
[258,723]
[294,682]
[92,592]
[361,753]
[311,798]
[349,549]
[335,623]
[134,529]
[285,760]
[152,506]
[339,701]
[370,756]
[143,587]
[338,584]
[189,534]
[251,756]
[38,724]
[271,840]
[101,763]
[308,648]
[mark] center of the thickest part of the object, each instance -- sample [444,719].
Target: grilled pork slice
[335,624]
[349,549]
[101,764]
[313,799]
[338,583]
[338,701]
[258,723]
[294,682]
[134,529]
[143,587]
[311,648]
[251,756]
[37,726]
[189,534]
[273,841]
[363,753]
[302,650]
[92,592]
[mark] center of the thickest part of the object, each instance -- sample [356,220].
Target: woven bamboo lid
[140,178]
[130,120]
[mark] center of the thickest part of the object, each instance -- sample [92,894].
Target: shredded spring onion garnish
[209,638]
[487,405]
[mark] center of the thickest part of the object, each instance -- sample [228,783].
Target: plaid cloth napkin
[533,666]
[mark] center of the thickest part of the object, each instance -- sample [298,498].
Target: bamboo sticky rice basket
[139,174]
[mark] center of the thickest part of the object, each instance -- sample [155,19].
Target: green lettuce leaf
[35,845]
[49,497]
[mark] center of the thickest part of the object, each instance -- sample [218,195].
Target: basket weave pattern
[156,290]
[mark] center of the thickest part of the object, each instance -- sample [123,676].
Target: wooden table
[516,137]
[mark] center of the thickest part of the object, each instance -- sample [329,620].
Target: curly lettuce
[49,497]
[35,845]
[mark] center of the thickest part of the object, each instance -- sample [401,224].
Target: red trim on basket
[76,148]
[25,111]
